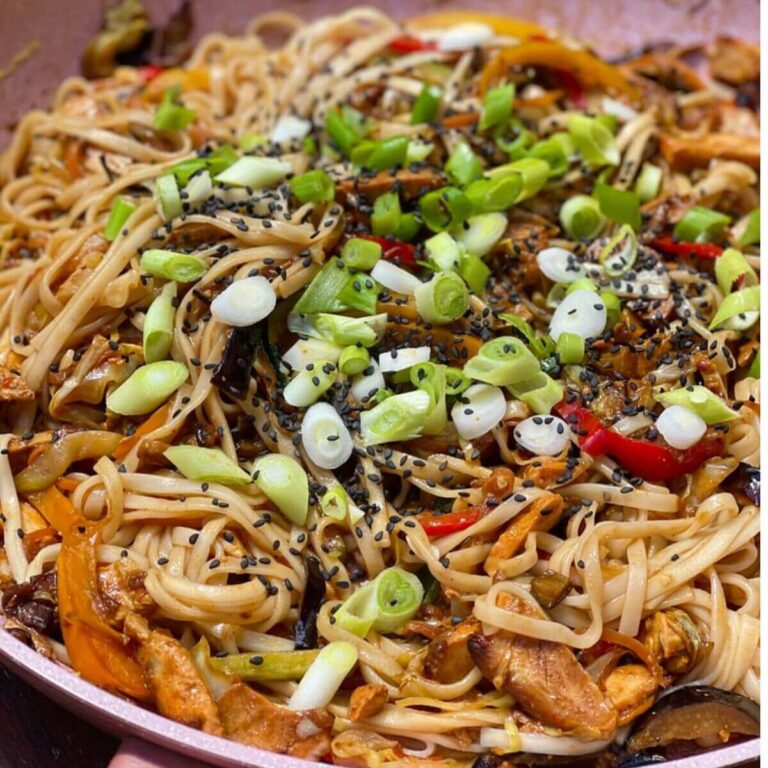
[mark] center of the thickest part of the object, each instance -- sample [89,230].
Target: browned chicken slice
[547,471]
[734,61]
[674,640]
[12,386]
[541,515]
[545,679]
[412,184]
[170,672]
[447,659]
[684,153]
[121,585]
[632,689]
[253,719]
[366,701]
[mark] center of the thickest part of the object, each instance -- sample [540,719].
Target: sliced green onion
[730,267]
[147,388]
[368,384]
[306,351]
[612,307]
[475,273]
[167,197]
[552,152]
[518,145]
[478,411]
[401,359]
[443,299]
[360,292]
[172,115]
[754,368]
[208,465]
[502,362]
[361,152]
[290,128]
[581,284]
[701,401]
[395,278]
[533,172]
[455,381]
[444,208]
[118,214]
[322,294]
[334,504]
[701,225]
[399,417]
[497,106]
[310,384]
[184,170]
[385,218]
[541,393]
[343,134]
[313,187]
[611,122]
[570,348]
[620,252]
[751,233]
[284,482]
[581,218]
[494,195]
[579,312]
[181,267]
[358,612]
[251,140]
[360,254]
[388,153]
[648,182]
[408,228]
[541,346]
[325,437]
[479,234]
[324,678]
[199,189]
[443,251]
[219,160]
[245,302]
[254,172]
[742,305]
[463,166]
[338,329]
[427,104]
[595,143]
[266,665]
[158,325]
[619,205]
[430,378]
[354,360]
[418,151]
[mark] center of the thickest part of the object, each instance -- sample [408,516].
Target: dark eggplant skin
[233,373]
[604,759]
[305,632]
[640,759]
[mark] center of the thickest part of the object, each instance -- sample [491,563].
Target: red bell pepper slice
[149,72]
[655,463]
[396,251]
[572,87]
[436,526]
[409,44]
[691,250]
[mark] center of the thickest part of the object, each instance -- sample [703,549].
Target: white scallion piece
[368,383]
[254,172]
[325,437]
[245,302]
[306,351]
[289,128]
[400,359]
[680,427]
[543,435]
[478,234]
[580,312]
[618,109]
[462,37]
[199,188]
[559,265]
[479,409]
[395,278]
[324,677]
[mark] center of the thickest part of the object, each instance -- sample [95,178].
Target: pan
[59,32]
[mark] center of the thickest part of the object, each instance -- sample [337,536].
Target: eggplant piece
[233,373]
[746,480]
[692,720]
[604,759]
[550,588]
[35,604]
[305,633]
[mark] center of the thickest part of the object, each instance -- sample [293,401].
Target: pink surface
[611,26]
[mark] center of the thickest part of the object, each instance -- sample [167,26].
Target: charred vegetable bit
[305,631]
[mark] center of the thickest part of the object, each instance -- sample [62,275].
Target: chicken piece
[674,640]
[541,515]
[734,61]
[251,718]
[632,689]
[684,153]
[121,585]
[738,120]
[170,672]
[547,471]
[545,679]
[366,701]
[412,184]
[13,388]
[447,659]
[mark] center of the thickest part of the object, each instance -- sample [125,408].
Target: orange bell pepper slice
[501,25]
[55,507]
[156,420]
[192,79]
[585,66]
[96,651]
